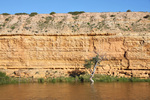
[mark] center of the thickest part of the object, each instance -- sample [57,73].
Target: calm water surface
[76,91]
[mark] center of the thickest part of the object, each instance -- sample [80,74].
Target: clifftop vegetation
[75,23]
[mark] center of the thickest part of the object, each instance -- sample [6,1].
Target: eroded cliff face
[58,54]
[127,56]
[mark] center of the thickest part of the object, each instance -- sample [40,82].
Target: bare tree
[92,64]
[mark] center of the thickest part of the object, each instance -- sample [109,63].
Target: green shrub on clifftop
[5,14]
[33,14]
[128,11]
[76,12]
[52,13]
[21,14]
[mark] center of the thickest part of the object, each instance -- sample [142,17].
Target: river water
[76,91]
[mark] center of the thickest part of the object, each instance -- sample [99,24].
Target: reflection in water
[76,91]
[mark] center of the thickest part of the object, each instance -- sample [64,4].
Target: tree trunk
[92,75]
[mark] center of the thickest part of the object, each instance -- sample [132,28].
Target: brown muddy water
[76,91]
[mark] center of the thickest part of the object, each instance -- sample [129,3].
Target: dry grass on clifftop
[67,24]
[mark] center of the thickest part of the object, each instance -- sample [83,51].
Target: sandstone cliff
[54,45]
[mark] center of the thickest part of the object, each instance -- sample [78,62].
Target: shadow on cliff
[75,73]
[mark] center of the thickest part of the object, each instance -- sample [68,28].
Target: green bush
[128,11]
[76,12]
[53,80]
[3,78]
[84,78]
[52,13]
[21,14]
[5,14]
[41,80]
[33,14]
[2,74]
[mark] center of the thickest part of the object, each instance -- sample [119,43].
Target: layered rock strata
[127,55]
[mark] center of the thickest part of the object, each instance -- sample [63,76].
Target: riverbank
[82,78]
